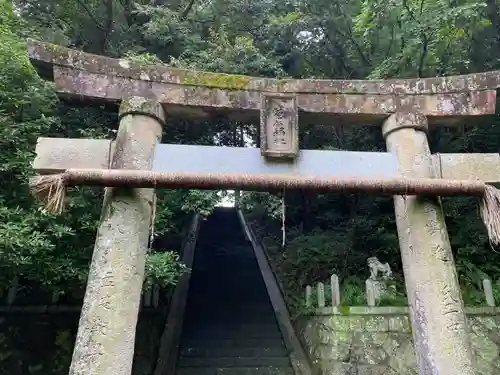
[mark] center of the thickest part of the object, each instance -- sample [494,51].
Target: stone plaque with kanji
[279,126]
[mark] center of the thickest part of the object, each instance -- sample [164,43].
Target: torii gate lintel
[442,99]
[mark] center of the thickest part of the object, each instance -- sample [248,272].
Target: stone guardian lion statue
[377,266]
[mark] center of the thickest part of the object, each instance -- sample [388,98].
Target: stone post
[335,287]
[488,292]
[436,308]
[371,301]
[106,332]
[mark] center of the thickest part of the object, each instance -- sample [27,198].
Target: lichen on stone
[53,47]
[216,80]
[124,63]
[59,53]
[140,104]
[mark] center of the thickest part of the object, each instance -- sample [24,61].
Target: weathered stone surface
[327,312]
[279,126]
[54,155]
[399,324]
[58,55]
[484,167]
[201,101]
[436,306]
[200,94]
[358,351]
[106,331]
[377,324]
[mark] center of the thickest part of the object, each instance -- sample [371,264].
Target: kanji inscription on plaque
[279,126]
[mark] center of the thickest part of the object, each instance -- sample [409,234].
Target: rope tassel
[50,189]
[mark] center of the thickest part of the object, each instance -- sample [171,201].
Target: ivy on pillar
[436,308]
[106,332]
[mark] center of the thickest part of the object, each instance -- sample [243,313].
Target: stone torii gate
[148,94]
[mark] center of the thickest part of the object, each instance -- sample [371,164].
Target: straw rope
[50,189]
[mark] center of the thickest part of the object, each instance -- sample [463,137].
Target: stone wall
[378,340]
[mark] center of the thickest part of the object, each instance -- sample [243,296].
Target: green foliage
[28,236]
[142,58]
[200,201]
[353,292]
[64,342]
[163,269]
[433,31]
[262,204]
[238,56]
[52,251]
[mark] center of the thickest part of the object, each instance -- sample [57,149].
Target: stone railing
[325,294]
[377,340]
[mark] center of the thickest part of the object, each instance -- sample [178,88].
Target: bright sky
[229,201]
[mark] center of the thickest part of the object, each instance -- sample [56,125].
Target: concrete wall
[378,341]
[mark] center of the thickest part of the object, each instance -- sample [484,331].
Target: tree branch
[350,38]
[410,12]
[389,47]
[92,17]
[187,10]
[425,50]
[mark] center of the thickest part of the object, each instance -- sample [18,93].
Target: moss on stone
[216,80]
[344,310]
[56,51]
[52,47]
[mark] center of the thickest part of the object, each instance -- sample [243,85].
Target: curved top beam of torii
[201,94]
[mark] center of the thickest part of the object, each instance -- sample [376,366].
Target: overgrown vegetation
[326,233]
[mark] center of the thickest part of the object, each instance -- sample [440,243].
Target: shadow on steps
[229,323]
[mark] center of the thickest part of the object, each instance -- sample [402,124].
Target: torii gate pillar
[106,331]
[436,307]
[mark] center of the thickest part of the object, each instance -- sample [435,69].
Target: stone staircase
[229,323]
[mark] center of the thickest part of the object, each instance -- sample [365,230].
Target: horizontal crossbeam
[481,166]
[201,94]
[55,155]
[201,102]
[62,56]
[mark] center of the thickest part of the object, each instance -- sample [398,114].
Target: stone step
[206,309]
[236,342]
[230,296]
[242,308]
[260,370]
[229,321]
[213,334]
[229,313]
[225,362]
[222,268]
[229,304]
[232,351]
[237,289]
[240,290]
[232,334]
[250,280]
[232,326]
[235,371]
[228,309]
[216,283]
[229,326]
